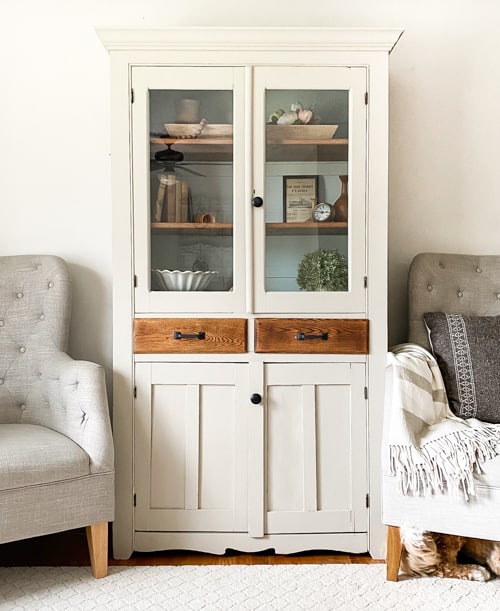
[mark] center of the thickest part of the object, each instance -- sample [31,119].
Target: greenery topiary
[323,270]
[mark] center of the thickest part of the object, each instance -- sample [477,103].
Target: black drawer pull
[180,335]
[302,336]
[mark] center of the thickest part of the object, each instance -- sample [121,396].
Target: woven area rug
[267,587]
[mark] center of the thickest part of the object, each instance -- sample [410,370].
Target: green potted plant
[323,270]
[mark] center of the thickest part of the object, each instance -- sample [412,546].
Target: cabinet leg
[97,539]
[394,550]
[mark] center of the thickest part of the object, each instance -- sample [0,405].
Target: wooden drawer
[311,335]
[190,335]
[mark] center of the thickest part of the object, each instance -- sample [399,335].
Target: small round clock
[323,212]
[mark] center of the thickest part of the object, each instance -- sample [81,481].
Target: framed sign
[300,194]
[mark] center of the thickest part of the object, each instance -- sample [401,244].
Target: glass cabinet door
[187,163]
[309,189]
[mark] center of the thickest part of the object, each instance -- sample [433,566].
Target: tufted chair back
[35,304]
[456,284]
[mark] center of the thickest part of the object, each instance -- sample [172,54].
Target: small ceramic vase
[188,111]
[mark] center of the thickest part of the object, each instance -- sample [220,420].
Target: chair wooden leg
[394,550]
[97,539]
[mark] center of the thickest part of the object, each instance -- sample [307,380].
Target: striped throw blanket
[430,449]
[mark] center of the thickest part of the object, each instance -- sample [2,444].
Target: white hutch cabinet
[249,244]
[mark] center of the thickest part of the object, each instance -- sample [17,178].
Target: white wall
[54,130]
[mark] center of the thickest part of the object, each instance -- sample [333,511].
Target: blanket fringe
[445,464]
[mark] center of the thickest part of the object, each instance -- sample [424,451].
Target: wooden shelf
[215,229]
[317,142]
[226,229]
[199,150]
[306,228]
[221,149]
[193,141]
[226,141]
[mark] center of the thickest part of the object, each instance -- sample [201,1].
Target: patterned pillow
[467,349]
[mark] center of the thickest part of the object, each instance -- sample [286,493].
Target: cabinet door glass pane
[191,189]
[306,190]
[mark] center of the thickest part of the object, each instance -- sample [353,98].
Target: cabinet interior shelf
[225,229]
[221,149]
[215,229]
[193,141]
[228,141]
[306,228]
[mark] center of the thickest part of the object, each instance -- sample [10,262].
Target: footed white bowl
[176,280]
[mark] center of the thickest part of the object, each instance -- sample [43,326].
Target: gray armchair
[459,284]
[56,448]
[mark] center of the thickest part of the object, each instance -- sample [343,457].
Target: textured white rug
[318,587]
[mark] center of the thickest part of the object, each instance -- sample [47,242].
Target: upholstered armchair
[459,285]
[56,449]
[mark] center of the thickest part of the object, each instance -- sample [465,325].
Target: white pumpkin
[288,118]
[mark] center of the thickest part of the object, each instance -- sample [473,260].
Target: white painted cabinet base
[219,543]
[288,472]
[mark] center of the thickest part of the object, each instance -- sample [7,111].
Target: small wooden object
[341,205]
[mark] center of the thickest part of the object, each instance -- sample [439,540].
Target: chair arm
[75,392]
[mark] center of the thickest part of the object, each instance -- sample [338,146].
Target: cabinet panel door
[310,244]
[316,448]
[190,447]
[188,168]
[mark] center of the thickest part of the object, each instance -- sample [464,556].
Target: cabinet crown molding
[249,38]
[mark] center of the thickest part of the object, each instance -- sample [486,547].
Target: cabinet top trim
[245,38]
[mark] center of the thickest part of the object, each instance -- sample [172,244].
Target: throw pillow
[467,349]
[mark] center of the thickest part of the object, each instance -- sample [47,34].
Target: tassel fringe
[445,464]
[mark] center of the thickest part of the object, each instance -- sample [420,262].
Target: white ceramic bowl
[191,130]
[300,132]
[175,280]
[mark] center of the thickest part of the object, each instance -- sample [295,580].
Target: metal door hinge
[132,96]
[365,282]
[366,392]
[366,98]
[367,500]
[135,392]
[135,500]
[135,281]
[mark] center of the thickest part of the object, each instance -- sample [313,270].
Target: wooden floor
[70,549]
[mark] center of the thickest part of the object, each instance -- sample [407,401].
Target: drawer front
[311,335]
[190,335]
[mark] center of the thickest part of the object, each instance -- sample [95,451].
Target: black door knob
[257,202]
[256,398]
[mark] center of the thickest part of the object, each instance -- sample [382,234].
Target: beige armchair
[457,284]
[56,449]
